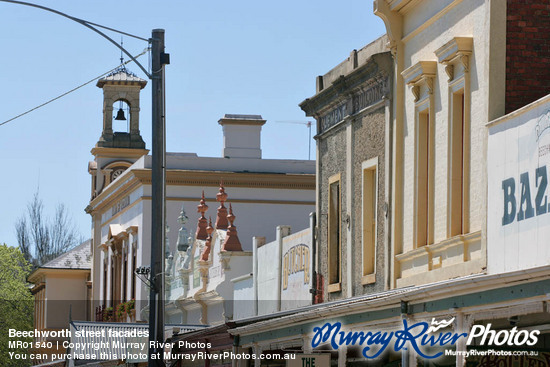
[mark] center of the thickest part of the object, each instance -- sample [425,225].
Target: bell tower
[120,143]
[121,86]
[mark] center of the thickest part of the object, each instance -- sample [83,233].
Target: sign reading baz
[417,336]
[526,196]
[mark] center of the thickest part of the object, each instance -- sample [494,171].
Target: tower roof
[121,76]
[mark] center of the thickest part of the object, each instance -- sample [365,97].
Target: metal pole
[158,187]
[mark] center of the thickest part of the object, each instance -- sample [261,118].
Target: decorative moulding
[401,6]
[456,50]
[421,73]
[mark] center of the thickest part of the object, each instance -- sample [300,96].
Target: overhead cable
[74,89]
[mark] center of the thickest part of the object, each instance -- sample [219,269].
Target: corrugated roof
[79,257]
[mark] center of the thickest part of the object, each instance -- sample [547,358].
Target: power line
[74,89]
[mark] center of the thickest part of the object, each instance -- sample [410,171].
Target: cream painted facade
[262,192]
[450,74]
[198,281]
[61,290]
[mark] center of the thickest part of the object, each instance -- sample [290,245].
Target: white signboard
[296,270]
[518,161]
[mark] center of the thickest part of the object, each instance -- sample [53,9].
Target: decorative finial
[231,216]
[221,219]
[232,242]
[208,245]
[121,55]
[184,239]
[201,226]
[182,219]
[210,229]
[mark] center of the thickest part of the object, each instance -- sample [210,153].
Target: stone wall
[368,142]
[332,158]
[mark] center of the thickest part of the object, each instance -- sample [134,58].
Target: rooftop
[121,76]
[79,257]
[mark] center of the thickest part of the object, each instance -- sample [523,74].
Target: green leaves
[16,302]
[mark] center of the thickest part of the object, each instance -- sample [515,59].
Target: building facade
[449,67]
[62,290]
[350,256]
[352,106]
[274,190]
[466,188]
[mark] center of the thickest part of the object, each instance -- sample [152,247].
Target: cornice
[232,179]
[136,177]
[118,152]
[235,121]
[346,85]
[455,47]
[421,73]
[402,6]
[38,287]
[458,49]
[51,271]
[115,191]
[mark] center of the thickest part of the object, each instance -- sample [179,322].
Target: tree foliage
[16,301]
[42,239]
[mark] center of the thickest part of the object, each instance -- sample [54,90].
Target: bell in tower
[121,86]
[120,115]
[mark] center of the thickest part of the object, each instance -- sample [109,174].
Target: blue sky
[243,57]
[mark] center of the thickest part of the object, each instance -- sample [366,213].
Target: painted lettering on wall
[525,200]
[296,260]
[121,204]
[334,116]
[369,96]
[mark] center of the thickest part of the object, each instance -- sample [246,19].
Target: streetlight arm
[90,25]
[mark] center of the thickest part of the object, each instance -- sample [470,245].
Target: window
[424,183]
[455,56]
[370,189]
[334,234]
[457,164]
[420,77]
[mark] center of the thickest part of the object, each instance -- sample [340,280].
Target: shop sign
[518,163]
[309,360]
[296,272]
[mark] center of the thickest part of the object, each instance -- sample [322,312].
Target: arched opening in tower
[121,116]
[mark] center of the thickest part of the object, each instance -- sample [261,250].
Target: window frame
[334,286]
[421,238]
[369,249]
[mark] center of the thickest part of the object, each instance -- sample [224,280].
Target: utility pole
[158,199]
[158,174]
